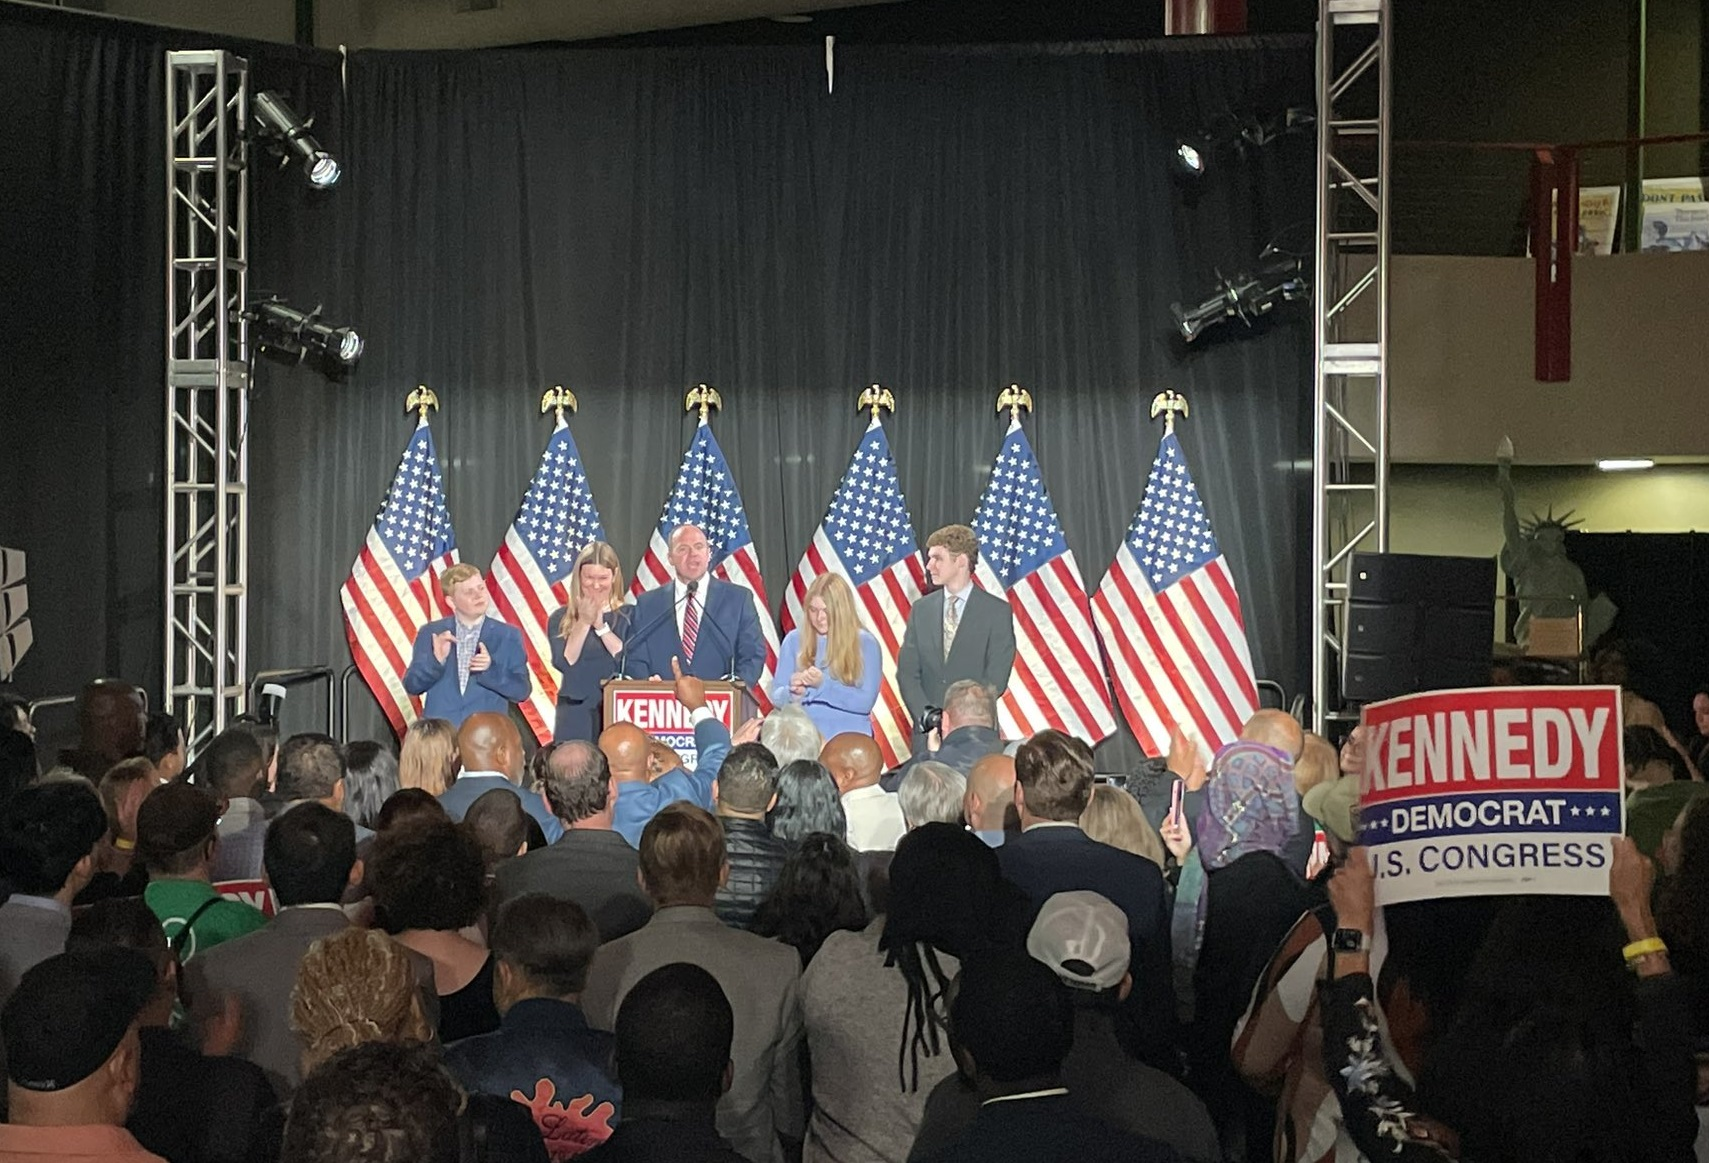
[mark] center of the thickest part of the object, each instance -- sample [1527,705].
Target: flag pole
[1169,403]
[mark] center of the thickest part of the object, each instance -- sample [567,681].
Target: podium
[652,706]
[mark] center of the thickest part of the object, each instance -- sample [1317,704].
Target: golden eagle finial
[557,400]
[705,398]
[878,398]
[1017,400]
[421,400]
[1168,404]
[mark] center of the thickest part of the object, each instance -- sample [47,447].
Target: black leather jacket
[755,858]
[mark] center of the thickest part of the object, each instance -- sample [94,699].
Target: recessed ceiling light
[792,18]
[1625,463]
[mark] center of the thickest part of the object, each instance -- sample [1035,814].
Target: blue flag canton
[558,516]
[705,495]
[868,519]
[1016,523]
[1171,536]
[413,521]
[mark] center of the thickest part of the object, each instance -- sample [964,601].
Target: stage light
[1625,463]
[1247,296]
[297,334]
[1237,132]
[288,134]
[1189,159]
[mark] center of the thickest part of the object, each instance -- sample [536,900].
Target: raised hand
[442,644]
[690,691]
[1353,891]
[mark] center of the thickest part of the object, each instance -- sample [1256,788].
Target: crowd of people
[292,949]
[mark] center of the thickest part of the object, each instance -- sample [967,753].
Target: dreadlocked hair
[947,900]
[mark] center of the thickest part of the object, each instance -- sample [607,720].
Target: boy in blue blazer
[468,662]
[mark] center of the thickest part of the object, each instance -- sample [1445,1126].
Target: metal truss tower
[1350,447]
[207,390]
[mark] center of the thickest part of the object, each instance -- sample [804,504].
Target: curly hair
[376,1103]
[354,987]
[816,894]
[427,874]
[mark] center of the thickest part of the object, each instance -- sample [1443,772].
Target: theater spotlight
[296,334]
[1247,296]
[288,134]
[1235,133]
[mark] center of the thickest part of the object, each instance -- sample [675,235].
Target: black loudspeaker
[1418,623]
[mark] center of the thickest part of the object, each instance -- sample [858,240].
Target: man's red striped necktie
[690,624]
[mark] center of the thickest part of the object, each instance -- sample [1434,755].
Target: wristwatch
[1350,941]
[602,630]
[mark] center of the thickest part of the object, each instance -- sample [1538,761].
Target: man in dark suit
[710,625]
[468,662]
[1053,784]
[591,864]
[957,631]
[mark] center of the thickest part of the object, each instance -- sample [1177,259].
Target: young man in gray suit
[958,631]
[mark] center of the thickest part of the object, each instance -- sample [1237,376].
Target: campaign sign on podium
[1497,790]
[653,707]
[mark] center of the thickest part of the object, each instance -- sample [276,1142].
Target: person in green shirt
[177,834]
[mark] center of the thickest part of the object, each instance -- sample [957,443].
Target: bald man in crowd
[874,815]
[989,804]
[111,719]
[640,795]
[491,750]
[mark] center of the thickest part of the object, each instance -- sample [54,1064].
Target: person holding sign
[1553,1053]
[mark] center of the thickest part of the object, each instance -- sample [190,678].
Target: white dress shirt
[875,819]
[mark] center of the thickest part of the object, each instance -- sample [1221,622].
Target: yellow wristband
[1643,948]
[124,845]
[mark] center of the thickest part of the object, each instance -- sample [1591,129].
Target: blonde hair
[842,645]
[593,553]
[354,987]
[455,576]
[429,756]
[1318,763]
[1114,817]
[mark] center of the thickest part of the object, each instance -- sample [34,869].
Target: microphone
[670,612]
[271,702]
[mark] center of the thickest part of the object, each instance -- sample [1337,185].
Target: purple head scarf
[1250,804]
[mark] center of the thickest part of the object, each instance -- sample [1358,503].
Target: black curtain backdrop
[629,222]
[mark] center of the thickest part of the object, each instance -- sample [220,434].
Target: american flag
[530,574]
[1058,679]
[1169,618]
[868,538]
[393,587]
[705,495]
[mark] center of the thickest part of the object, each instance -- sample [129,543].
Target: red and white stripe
[740,568]
[884,603]
[383,611]
[523,597]
[1058,679]
[1178,656]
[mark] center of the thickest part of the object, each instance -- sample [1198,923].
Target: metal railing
[291,676]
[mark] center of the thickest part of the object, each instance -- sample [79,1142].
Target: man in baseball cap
[72,1051]
[1082,938]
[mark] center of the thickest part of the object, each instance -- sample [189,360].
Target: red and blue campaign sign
[656,711]
[1499,790]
